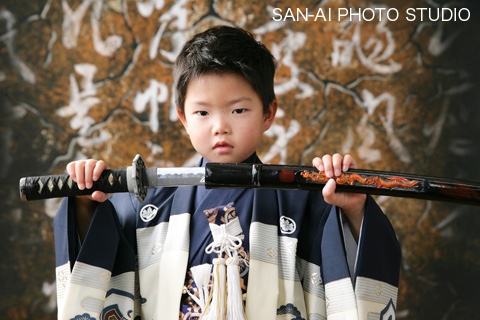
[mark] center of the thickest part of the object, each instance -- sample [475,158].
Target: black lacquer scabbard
[219,175]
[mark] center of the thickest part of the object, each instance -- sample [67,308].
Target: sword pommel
[22,188]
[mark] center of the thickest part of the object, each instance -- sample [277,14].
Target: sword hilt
[129,179]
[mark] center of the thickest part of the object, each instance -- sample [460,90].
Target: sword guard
[139,175]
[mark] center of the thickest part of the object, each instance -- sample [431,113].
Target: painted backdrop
[394,83]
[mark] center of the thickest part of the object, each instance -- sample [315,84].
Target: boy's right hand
[84,173]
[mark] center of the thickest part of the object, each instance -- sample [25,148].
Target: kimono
[137,259]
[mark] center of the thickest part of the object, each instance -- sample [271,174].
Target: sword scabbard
[243,175]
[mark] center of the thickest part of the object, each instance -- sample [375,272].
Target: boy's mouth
[222,146]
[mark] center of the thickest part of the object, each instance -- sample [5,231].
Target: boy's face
[224,117]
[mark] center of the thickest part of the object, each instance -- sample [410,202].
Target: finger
[71,170]
[328,191]
[89,167]
[337,161]
[318,163]
[80,174]
[99,168]
[348,162]
[99,196]
[328,166]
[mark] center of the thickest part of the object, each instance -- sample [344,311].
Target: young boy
[192,253]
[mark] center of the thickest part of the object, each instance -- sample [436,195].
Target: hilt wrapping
[130,179]
[62,185]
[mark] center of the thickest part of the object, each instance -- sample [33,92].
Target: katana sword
[137,178]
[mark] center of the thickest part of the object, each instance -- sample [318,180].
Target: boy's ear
[181,116]
[269,117]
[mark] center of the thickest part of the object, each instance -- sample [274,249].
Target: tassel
[235,309]
[216,310]
[201,276]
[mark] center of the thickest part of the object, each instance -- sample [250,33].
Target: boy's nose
[221,126]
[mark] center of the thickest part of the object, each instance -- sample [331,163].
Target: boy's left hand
[352,204]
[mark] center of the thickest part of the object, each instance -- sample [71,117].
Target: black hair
[223,50]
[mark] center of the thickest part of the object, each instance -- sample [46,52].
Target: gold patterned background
[92,78]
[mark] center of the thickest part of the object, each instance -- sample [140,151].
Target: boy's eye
[238,111]
[202,113]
